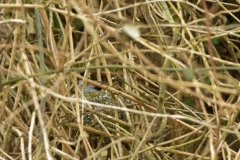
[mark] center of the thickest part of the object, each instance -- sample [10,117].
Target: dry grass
[170,93]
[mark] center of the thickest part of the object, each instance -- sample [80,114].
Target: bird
[89,88]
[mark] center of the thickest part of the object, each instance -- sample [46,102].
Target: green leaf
[238,116]
[188,101]
[206,80]
[55,22]
[200,23]
[188,74]
[8,16]
[234,22]
[224,122]
[78,23]
[216,41]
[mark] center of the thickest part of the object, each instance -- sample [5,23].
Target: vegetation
[168,73]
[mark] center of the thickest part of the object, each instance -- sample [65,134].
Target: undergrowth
[167,74]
